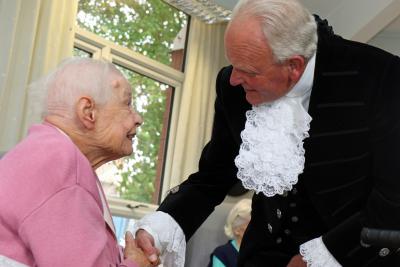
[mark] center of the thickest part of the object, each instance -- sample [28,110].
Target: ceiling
[359,20]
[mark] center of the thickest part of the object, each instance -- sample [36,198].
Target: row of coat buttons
[382,253]
[279,216]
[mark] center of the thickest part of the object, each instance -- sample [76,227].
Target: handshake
[141,250]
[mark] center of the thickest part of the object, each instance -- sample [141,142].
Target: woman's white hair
[239,215]
[287,25]
[57,92]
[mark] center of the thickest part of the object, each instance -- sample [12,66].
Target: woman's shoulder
[226,248]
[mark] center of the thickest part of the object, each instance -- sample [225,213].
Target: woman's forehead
[122,86]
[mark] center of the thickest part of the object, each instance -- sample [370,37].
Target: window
[149,27]
[145,39]
[81,53]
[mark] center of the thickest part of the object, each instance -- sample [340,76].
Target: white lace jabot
[271,155]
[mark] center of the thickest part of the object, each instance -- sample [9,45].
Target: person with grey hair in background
[53,211]
[311,123]
[235,226]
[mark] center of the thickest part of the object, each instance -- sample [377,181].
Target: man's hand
[146,242]
[133,253]
[297,261]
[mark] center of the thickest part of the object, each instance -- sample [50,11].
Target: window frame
[100,48]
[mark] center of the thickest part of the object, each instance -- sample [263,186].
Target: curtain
[35,36]
[204,59]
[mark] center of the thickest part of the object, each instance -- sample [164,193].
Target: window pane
[138,177]
[122,224]
[81,53]
[150,27]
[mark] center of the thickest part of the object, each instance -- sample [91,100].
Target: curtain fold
[204,59]
[36,35]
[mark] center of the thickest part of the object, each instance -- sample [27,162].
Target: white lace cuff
[7,262]
[168,237]
[316,254]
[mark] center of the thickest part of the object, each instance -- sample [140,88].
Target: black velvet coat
[351,177]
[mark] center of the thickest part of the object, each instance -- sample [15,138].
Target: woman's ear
[236,231]
[296,66]
[85,110]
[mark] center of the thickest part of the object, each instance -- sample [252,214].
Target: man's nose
[235,78]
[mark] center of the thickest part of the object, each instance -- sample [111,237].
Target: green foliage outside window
[148,27]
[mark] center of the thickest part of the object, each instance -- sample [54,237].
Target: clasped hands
[141,250]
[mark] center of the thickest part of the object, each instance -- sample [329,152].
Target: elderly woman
[236,223]
[53,211]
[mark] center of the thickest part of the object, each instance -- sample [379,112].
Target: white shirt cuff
[168,236]
[316,254]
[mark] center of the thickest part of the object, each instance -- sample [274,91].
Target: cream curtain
[205,57]
[35,36]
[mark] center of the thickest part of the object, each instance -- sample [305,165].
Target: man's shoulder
[335,47]
[352,51]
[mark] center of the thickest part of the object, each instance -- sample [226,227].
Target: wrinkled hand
[133,253]
[297,261]
[146,242]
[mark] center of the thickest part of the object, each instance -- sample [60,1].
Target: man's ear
[296,66]
[85,110]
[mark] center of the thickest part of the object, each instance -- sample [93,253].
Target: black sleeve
[382,209]
[193,201]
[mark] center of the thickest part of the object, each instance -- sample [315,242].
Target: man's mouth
[249,90]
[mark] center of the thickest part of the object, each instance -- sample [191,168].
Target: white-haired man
[291,77]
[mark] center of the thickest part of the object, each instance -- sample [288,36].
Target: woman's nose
[138,120]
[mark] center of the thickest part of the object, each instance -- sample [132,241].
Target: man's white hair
[287,25]
[57,92]
[239,215]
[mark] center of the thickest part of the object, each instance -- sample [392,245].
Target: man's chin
[257,100]
[253,100]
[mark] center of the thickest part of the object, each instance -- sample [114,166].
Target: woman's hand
[297,261]
[135,254]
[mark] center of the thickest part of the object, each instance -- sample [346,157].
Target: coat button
[292,205]
[278,213]
[174,189]
[364,245]
[287,232]
[294,191]
[384,252]
[295,219]
[279,240]
[270,228]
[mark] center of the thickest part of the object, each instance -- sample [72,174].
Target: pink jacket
[51,213]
